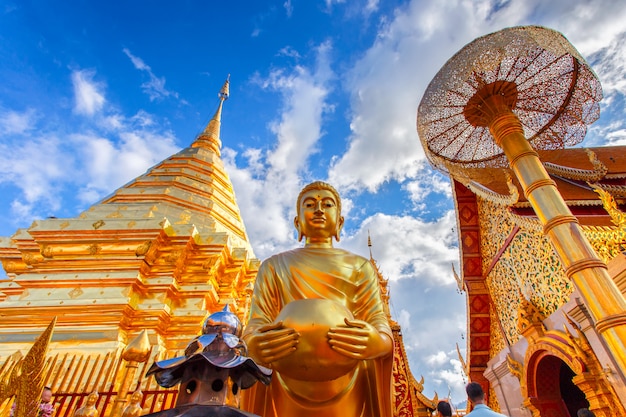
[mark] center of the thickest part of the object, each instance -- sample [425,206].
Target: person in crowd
[444,409]
[46,408]
[476,395]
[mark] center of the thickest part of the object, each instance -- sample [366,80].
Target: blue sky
[92,94]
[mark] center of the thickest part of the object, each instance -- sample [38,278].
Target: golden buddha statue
[317,320]
[89,409]
[134,408]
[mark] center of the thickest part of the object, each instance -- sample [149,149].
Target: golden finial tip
[138,350]
[225,91]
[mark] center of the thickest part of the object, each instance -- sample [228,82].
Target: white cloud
[13,122]
[407,247]
[288,5]
[155,86]
[112,161]
[88,94]
[437,359]
[38,168]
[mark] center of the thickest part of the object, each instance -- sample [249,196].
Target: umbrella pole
[581,263]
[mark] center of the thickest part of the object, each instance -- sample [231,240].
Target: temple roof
[575,172]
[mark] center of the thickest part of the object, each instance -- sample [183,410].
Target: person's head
[585,412]
[318,212]
[444,409]
[475,392]
[46,395]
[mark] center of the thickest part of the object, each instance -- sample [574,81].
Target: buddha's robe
[348,279]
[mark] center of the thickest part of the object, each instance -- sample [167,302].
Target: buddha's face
[318,215]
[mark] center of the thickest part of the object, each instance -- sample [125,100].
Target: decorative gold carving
[515,368]
[115,214]
[26,380]
[577,353]
[10,266]
[496,342]
[492,196]
[597,173]
[143,248]
[184,218]
[617,216]
[94,249]
[459,281]
[30,258]
[173,256]
[64,225]
[530,224]
[464,364]
[46,251]
[616,190]
[527,265]
[98,224]
[75,293]
[530,321]
[528,315]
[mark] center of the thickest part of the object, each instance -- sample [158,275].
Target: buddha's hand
[272,342]
[359,340]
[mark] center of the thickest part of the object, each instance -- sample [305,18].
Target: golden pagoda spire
[210,137]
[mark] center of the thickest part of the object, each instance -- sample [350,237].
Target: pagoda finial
[210,137]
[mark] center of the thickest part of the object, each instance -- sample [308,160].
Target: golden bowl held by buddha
[314,359]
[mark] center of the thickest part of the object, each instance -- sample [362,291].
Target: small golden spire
[210,137]
[138,349]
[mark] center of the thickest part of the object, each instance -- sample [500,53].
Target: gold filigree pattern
[75,293]
[497,342]
[516,368]
[527,265]
[27,378]
[98,224]
[528,315]
[94,249]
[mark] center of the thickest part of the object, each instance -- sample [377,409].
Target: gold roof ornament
[210,137]
[138,350]
[26,381]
